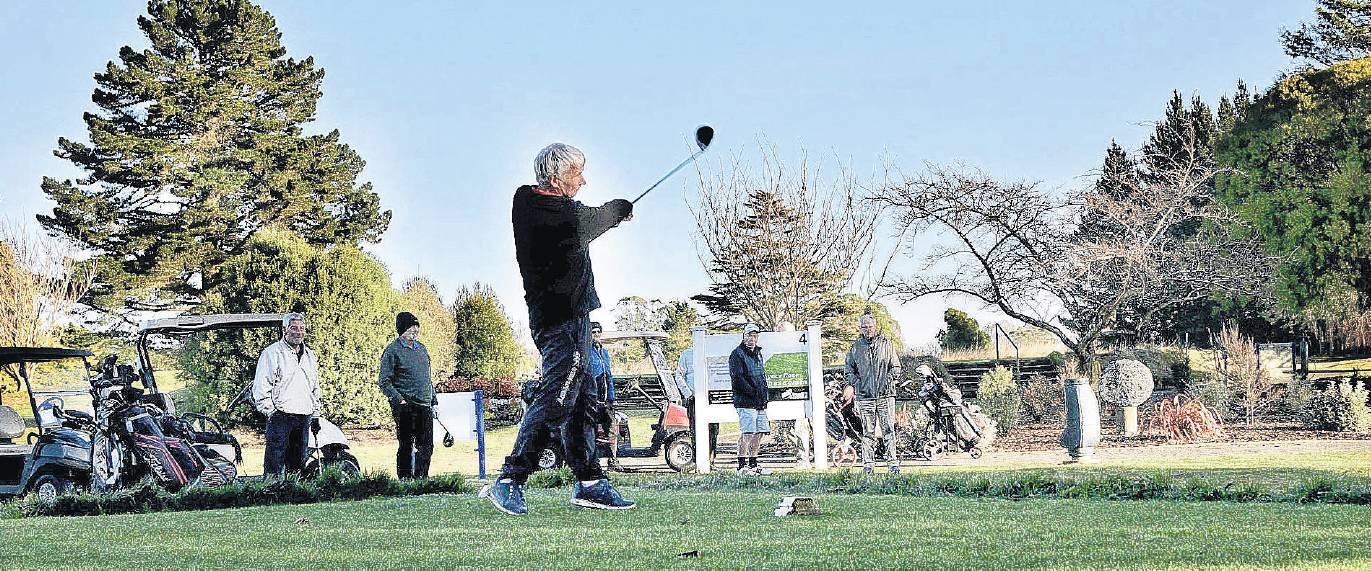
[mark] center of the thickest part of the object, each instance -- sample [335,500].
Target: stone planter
[1082,432]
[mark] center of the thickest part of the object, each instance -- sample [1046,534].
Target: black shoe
[507,497]
[601,495]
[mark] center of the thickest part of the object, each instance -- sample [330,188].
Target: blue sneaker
[507,496]
[601,495]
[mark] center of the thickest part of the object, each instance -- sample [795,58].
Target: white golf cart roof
[193,323]
[608,336]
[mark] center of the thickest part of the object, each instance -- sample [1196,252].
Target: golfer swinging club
[552,235]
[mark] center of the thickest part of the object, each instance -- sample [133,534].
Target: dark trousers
[565,402]
[414,430]
[287,443]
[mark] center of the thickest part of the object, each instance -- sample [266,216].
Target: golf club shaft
[668,175]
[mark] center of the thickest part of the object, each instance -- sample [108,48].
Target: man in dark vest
[552,235]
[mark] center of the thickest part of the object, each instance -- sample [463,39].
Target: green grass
[729,529]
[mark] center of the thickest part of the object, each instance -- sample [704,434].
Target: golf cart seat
[11,425]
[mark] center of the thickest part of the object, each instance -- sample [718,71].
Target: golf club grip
[668,175]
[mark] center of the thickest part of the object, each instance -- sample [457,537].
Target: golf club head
[704,134]
[448,440]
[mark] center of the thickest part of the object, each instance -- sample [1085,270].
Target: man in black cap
[552,235]
[406,382]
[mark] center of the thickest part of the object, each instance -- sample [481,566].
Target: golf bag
[954,425]
[138,435]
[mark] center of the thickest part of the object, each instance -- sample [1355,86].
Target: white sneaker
[745,472]
[760,471]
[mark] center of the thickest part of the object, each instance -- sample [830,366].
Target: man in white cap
[750,398]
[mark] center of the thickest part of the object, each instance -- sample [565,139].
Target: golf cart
[671,434]
[328,447]
[55,458]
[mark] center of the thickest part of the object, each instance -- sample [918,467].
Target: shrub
[503,412]
[1340,408]
[1237,366]
[503,387]
[1297,394]
[1000,398]
[147,496]
[1184,418]
[1044,400]
[1213,394]
[1057,359]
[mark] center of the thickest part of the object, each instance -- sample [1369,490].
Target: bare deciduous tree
[1016,248]
[780,244]
[40,284]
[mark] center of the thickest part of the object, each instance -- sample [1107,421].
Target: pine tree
[197,145]
[773,267]
[1118,179]
[1342,32]
[486,347]
[437,330]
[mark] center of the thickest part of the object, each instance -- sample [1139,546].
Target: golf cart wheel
[551,459]
[680,452]
[975,452]
[49,486]
[345,463]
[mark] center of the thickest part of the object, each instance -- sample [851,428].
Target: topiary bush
[1170,366]
[1000,398]
[1340,408]
[1125,383]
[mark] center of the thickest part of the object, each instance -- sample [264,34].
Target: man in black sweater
[552,235]
[408,385]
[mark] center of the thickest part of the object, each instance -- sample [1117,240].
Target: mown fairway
[729,529]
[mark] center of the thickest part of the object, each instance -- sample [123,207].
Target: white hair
[289,317]
[866,318]
[557,159]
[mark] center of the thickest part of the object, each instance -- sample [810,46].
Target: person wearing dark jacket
[407,384]
[552,235]
[602,374]
[748,374]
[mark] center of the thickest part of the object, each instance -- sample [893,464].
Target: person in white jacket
[286,390]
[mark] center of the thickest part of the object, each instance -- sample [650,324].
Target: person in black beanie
[405,380]
[552,235]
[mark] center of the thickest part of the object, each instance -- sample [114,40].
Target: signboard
[463,416]
[794,379]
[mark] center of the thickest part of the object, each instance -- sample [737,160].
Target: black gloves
[622,207]
[314,425]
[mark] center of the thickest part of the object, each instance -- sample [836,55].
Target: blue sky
[449,101]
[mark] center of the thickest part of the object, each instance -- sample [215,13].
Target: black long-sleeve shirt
[552,236]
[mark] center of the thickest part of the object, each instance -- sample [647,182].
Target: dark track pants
[566,399]
[414,430]
[287,443]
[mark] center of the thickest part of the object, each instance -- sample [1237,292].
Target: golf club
[704,134]
[448,441]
